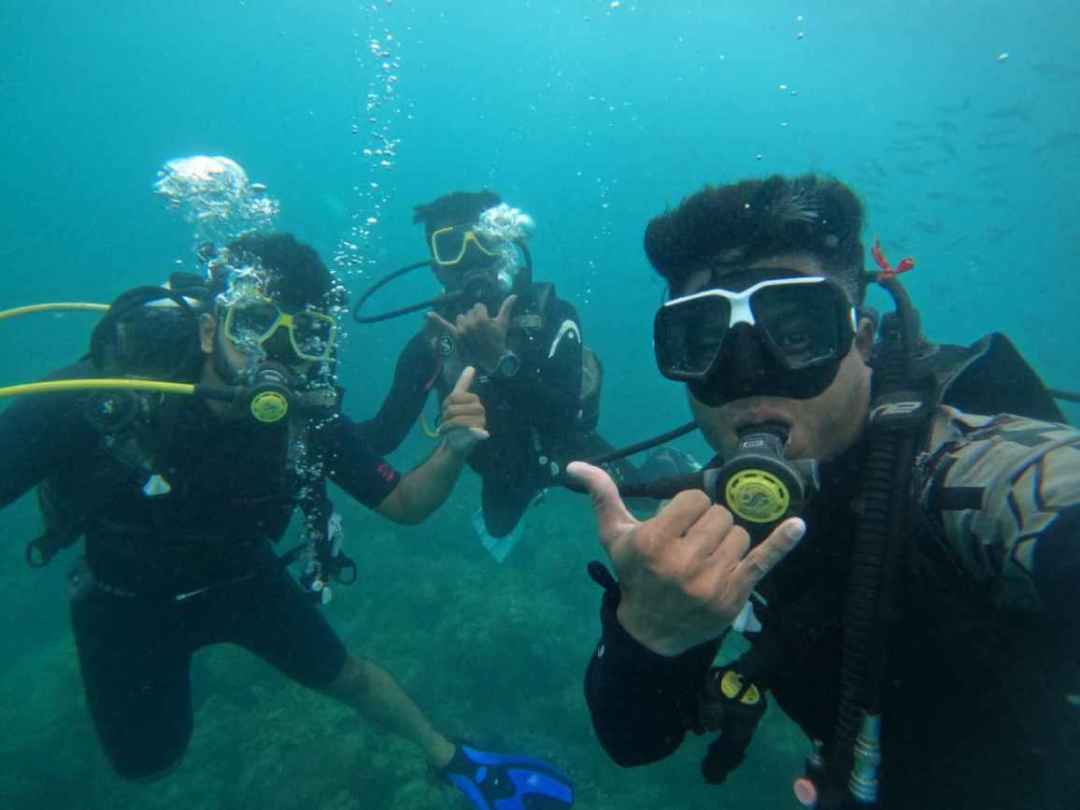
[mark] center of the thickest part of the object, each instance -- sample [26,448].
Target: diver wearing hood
[181,497]
[539,384]
[924,631]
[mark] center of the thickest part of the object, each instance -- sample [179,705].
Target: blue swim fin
[507,781]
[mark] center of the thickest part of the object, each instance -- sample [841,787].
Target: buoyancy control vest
[918,592]
[152,333]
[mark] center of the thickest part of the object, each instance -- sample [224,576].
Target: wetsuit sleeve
[354,466]
[1008,492]
[414,376]
[642,704]
[548,385]
[38,434]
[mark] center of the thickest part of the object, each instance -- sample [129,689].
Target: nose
[743,360]
[278,345]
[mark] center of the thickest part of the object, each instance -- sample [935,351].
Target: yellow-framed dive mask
[450,244]
[312,334]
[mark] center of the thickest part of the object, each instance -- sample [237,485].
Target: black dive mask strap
[522,280]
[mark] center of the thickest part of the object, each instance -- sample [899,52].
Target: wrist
[507,366]
[644,633]
[455,449]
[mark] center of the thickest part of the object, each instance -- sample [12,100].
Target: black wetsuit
[981,694]
[169,573]
[534,417]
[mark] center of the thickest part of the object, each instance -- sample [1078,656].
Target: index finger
[464,381]
[503,318]
[442,323]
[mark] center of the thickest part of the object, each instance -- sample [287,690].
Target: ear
[864,338]
[207,332]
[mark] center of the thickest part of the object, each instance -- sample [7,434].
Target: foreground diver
[540,386]
[180,498]
[925,632]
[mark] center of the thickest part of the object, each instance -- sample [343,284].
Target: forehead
[738,277]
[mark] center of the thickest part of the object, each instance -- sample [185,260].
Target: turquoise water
[956,122]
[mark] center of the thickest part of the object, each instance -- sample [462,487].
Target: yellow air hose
[83,384]
[98,384]
[266,405]
[424,426]
[66,306]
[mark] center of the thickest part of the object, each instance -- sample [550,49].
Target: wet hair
[455,208]
[731,226]
[296,276]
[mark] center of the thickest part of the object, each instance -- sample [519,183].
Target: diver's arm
[424,489]
[641,703]
[409,499]
[38,433]
[1009,499]
[1056,570]
[414,375]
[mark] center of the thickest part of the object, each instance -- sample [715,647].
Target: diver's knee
[147,773]
[353,680]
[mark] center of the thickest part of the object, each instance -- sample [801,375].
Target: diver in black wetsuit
[925,632]
[540,386]
[181,499]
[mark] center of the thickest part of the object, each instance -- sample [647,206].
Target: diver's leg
[278,621]
[379,699]
[275,619]
[135,663]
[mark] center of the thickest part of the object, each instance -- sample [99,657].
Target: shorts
[135,655]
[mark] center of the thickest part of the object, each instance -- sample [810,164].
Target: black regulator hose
[647,444]
[882,523]
[1067,396]
[382,282]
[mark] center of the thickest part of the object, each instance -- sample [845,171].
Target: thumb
[464,381]
[612,516]
[503,318]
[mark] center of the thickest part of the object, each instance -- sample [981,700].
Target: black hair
[455,208]
[296,276]
[734,225]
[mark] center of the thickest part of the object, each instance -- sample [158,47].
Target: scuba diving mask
[479,281]
[783,337]
[450,245]
[312,335]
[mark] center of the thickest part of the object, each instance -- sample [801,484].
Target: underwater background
[957,122]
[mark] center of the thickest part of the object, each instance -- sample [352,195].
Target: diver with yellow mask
[202,416]
[539,383]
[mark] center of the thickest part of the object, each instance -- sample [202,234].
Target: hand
[463,416]
[686,573]
[481,337]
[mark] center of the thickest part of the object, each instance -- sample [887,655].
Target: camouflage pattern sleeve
[1006,490]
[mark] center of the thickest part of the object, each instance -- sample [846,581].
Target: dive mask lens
[251,322]
[313,335]
[450,245]
[804,324]
[688,336]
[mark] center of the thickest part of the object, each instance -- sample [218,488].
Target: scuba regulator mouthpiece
[268,398]
[758,484]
